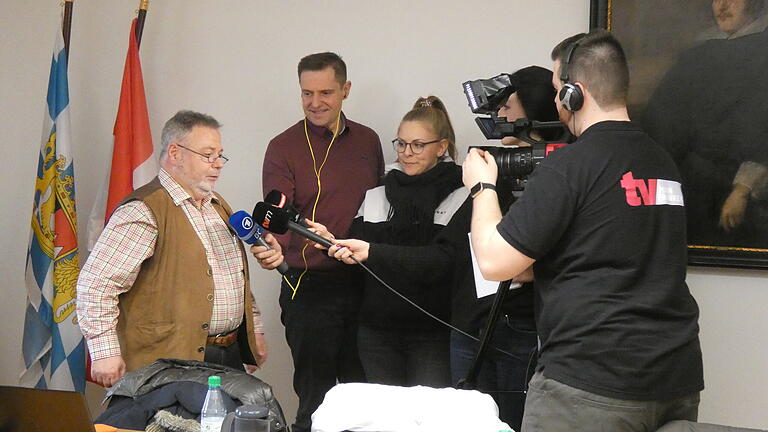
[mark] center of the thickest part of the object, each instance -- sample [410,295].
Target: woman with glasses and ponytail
[399,344]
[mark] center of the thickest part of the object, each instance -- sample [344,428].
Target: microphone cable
[325,243]
[424,311]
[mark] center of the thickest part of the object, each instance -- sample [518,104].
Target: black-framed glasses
[416,146]
[210,158]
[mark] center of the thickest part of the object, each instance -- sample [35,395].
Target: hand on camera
[479,166]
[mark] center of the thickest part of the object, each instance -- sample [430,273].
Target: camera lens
[513,162]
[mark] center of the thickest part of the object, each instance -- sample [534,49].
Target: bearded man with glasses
[167,277]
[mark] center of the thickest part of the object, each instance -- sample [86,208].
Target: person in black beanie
[400,345]
[503,376]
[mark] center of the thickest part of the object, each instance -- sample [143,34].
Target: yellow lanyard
[317,171]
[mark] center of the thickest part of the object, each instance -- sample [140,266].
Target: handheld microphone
[278,221]
[250,233]
[278,199]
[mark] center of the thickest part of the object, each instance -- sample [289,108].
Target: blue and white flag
[53,348]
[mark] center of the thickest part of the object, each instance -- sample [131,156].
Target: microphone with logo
[250,233]
[278,221]
[278,199]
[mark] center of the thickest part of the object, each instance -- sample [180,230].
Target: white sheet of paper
[484,287]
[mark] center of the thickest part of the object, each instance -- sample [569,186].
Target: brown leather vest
[167,311]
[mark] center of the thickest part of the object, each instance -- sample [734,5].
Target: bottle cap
[214,381]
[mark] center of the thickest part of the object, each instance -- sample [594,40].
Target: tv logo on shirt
[651,192]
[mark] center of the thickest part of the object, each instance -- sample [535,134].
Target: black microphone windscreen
[271,218]
[276,198]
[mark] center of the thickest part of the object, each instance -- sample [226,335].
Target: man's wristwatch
[480,187]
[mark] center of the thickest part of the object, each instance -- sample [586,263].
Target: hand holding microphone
[345,250]
[322,231]
[269,254]
[265,249]
[342,250]
[277,221]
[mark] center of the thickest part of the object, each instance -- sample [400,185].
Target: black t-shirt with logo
[605,221]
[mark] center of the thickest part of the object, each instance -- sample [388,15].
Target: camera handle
[469,382]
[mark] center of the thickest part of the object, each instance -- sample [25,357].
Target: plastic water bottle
[214,411]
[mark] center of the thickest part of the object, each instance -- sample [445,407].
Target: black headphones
[570,95]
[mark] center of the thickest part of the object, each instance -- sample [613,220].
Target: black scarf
[413,201]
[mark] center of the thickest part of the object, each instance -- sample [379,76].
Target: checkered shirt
[127,240]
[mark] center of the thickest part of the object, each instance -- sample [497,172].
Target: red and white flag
[133,163]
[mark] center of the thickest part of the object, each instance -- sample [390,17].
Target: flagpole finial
[144,5]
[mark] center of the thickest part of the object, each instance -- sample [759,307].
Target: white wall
[733,331]
[236,59]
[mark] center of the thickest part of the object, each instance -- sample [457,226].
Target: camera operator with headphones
[602,222]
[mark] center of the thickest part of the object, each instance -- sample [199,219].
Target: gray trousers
[686,426]
[552,406]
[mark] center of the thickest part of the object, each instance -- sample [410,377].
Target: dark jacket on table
[179,387]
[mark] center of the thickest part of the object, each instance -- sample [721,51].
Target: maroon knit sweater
[355,164]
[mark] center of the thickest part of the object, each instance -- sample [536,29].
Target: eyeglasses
[210,158]
[416,146]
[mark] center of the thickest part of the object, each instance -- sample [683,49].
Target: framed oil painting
[699,86]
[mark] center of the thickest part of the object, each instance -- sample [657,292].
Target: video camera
[485,96]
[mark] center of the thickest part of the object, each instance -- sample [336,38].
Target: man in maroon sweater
[324,164]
